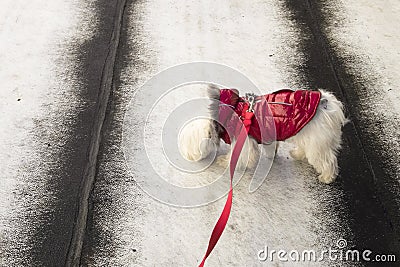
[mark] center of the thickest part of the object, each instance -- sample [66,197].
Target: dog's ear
[236,91]
[235,96]
[213,91]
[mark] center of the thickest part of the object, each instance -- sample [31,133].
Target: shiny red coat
[280,115]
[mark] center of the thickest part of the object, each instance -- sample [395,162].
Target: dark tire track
[371,213]
[98,240]
[58,239]
[111,14]
[51,238]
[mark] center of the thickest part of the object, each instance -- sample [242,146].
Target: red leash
[223,219]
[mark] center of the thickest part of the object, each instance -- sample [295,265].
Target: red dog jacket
[281,114]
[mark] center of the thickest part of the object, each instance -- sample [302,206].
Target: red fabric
[289,118]
[223,218]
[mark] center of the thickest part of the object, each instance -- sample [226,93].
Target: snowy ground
[43,92]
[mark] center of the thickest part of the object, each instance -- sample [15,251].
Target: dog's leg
[321,144]
[223,160]
[250,154]
[271,153]
[298,153]
[325,163]
[248,158]
[324,137]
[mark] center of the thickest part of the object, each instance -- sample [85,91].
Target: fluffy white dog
[311,120]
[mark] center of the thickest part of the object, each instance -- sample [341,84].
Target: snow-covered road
[54,65]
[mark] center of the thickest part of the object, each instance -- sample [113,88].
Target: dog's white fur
[318,142]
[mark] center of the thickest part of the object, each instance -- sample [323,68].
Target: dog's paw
[298,154]
[326,179]
[222,160]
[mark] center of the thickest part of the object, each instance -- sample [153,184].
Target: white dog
[311,120]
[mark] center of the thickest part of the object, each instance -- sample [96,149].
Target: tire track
[104,90]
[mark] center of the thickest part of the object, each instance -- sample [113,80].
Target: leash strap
[223,218]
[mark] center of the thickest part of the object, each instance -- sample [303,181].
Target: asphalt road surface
[72,75]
